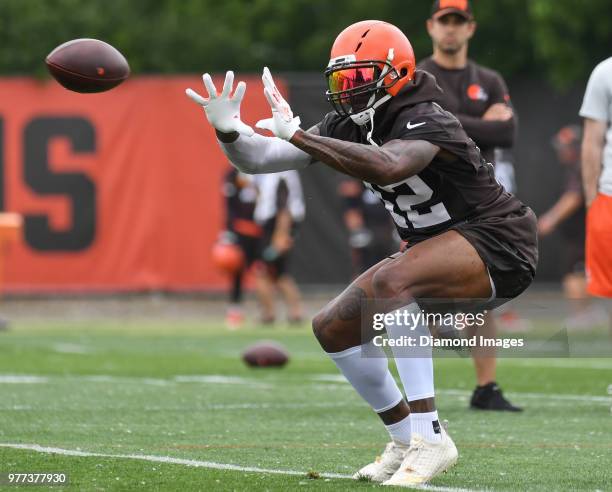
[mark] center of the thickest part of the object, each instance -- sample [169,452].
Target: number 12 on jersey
[405,202]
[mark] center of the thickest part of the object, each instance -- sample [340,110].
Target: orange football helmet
[370,62]
[228,258]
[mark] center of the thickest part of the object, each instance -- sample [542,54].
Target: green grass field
[119,398]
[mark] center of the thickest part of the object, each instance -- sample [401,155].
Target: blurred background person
[279,210]
[479,98]
[11,225]
[597,178]
[241,230]
[568,216]
[476,95]
[372,235]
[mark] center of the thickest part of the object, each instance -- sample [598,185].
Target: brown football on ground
[265,354]
[87,65]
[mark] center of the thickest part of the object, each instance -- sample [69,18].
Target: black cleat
[490,397]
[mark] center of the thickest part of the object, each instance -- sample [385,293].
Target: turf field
[169,406]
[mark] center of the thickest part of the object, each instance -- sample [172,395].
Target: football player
[568,216]
[280,210]
[240,193]
[467,237]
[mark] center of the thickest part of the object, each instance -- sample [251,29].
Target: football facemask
[355,87]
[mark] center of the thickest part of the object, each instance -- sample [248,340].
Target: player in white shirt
[597,178]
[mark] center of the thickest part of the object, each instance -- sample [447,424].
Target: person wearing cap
[479,98]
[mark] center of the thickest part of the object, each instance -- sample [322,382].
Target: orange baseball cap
[445,7]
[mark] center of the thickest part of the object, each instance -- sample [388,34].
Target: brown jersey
[444,195]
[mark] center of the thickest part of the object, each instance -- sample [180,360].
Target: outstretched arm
[394,161]
[259,155]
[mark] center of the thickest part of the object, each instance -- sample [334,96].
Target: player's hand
[281,243]
[223,110]
[282,123]
[498,112]
[546,225]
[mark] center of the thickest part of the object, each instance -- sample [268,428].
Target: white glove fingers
[270,99]
[239,93]
[267,79]
[269,83]
[210,86]
[228,84]
[196,97]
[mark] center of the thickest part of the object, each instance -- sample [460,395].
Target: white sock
[401,431]
[369,375]
[414,364]
[427,425]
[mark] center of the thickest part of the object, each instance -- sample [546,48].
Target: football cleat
[385,465]
[490,397]
[425,460]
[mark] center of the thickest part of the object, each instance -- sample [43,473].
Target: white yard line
[22,379]
[213,378]
[71,348]
[194,463]
[214,406]
[248,406]
[231,380]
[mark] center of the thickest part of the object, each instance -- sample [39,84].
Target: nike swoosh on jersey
[410,127]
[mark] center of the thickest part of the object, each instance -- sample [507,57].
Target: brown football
[265,354]
[87,65]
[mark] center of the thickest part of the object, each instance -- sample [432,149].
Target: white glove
[223,111]
[282,123]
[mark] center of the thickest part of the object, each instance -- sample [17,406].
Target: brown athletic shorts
[508,247]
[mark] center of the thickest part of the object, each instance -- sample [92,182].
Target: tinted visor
[352,78]
[352,87]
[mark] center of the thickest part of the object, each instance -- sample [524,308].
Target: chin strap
[371,112]
[367,116]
